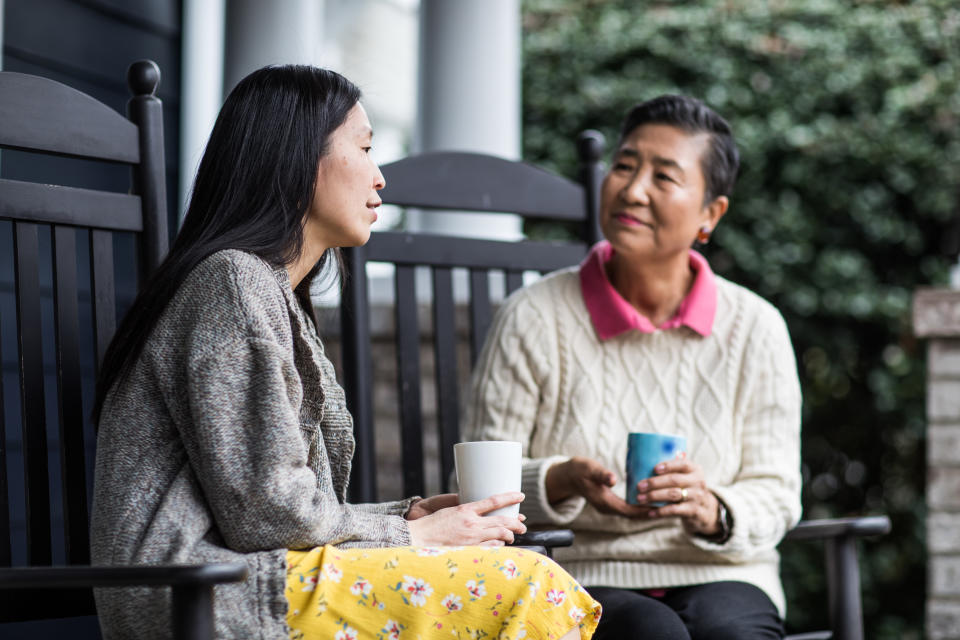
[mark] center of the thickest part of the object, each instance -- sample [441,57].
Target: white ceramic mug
[487,468]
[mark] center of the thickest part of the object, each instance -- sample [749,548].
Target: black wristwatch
[726,525]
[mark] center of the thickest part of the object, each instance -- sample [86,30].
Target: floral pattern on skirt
[400,593]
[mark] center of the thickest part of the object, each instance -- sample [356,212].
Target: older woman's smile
[631,221]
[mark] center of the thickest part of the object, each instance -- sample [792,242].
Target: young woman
[224,437]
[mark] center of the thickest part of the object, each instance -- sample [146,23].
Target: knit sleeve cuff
[395,533]
[535,506]
[399,531]
[394,508]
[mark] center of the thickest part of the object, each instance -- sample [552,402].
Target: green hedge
[848,119]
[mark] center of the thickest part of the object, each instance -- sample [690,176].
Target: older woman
[643,336]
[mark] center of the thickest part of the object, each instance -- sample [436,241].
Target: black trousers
[714,611]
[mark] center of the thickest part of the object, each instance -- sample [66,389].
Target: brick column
[936,316]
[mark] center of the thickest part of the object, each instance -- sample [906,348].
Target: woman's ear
[715,211]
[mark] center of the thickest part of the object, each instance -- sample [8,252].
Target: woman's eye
[367,149]
[622,166]
[664,176]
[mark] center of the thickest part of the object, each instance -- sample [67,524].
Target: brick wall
[936,316]
[386,421]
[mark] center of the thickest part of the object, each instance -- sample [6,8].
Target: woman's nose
[379,182]
[635,190]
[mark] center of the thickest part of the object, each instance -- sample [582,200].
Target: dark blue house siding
[86,44]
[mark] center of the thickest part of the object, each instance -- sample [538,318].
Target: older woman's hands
[440,523]
[697,507]
[588,478]
[680,483]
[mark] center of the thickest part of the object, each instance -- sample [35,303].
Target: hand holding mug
[588,478]
[645,450]
[678,486]
[468,524]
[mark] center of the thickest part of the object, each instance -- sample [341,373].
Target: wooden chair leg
[193,612]
[843,575]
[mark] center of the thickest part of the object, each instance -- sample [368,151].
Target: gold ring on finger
[683,494]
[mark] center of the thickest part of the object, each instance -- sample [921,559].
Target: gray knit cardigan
[228,441]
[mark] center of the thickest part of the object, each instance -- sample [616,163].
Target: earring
[703,235]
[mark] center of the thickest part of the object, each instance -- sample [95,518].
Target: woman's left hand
[679,482]
[426,506]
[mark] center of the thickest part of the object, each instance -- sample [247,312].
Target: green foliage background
[848,119]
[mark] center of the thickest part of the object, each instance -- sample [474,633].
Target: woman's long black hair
[253,189]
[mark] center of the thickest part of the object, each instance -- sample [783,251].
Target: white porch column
[201,84]
[275,32]
[469,95]
[224,41]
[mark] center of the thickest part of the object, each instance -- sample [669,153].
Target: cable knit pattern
[229,441]
[545,379]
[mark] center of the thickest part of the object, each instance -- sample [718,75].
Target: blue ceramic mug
[644,452]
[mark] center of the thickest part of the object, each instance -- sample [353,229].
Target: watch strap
[726,525]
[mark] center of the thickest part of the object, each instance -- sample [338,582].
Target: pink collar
[612,315]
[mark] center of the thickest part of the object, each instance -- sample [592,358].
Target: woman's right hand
[465,524]
[586,477]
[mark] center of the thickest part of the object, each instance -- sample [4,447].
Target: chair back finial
[149,177]
[143,78]
[590,147]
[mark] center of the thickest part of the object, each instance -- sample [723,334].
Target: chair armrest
[837,527]
[843,570]
[142,575]
[550,539]
[191,596]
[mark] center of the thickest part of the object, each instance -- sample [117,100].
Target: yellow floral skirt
[433,592]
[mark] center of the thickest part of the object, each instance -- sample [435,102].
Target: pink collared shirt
[612,315]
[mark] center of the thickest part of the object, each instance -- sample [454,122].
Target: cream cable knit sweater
[545,379]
